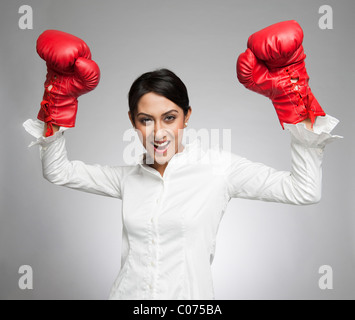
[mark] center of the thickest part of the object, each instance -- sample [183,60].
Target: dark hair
[162,82]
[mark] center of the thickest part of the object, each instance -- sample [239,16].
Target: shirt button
[158,200]
[153,264]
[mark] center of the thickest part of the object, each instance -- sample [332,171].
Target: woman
[174,197]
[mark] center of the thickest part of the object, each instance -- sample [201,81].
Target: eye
[170,118]
[144,120]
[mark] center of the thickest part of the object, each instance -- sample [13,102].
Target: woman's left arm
[300,186]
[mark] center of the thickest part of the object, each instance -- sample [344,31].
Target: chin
[162,157]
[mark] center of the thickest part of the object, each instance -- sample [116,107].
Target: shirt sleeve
[300,186]
[57,169]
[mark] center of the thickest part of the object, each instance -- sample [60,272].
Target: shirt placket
[154,250]
[155,239]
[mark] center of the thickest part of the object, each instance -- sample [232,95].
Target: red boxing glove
[70,74]
[273,65]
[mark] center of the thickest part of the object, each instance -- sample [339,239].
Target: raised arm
[59,170]
[70,73]
[302,185]
[274,65]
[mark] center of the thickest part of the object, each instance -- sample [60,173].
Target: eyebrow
[172,110]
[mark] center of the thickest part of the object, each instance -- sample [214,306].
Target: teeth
[161,145]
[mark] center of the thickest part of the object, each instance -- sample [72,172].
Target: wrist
[55,129]
[308,124]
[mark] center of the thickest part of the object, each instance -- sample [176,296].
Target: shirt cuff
[318,138]
[36,128]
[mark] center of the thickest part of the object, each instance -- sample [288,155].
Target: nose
[159,132]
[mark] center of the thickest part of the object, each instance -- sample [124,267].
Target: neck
[161,167]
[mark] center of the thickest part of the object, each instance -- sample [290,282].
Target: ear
[187,117]
[131,118]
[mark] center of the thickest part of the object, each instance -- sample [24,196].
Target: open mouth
[161,147]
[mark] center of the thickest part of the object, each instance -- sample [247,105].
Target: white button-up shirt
[170,223]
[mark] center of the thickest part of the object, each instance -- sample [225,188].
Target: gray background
[264,250]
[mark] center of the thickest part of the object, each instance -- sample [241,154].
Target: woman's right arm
[59,170]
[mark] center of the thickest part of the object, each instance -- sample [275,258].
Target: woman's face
[160,124]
